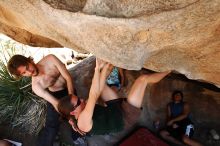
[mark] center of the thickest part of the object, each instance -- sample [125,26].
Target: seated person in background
[88,117]
[116,79]
[179,126]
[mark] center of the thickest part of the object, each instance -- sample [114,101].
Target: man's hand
[73,99]
[100,63]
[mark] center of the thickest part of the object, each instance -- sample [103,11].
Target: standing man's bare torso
[49,76]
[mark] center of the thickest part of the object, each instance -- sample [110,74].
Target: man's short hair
[177,92]
[17,61]
[65,107]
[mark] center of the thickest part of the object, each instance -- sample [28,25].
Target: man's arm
[85,118]
[38,90]
[186,111]
[66,75]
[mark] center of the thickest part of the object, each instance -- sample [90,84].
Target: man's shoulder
[48,57]
[47,60]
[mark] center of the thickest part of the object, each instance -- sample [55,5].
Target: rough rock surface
[204,101]
[181,35]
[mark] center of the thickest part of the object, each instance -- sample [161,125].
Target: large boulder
[203,99]
[180,35]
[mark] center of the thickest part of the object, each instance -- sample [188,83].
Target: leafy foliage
[18,105]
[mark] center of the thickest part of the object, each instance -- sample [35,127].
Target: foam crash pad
[142,137]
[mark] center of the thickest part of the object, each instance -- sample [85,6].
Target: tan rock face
[27,38]
[181,35]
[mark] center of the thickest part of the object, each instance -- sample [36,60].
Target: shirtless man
[51,81]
